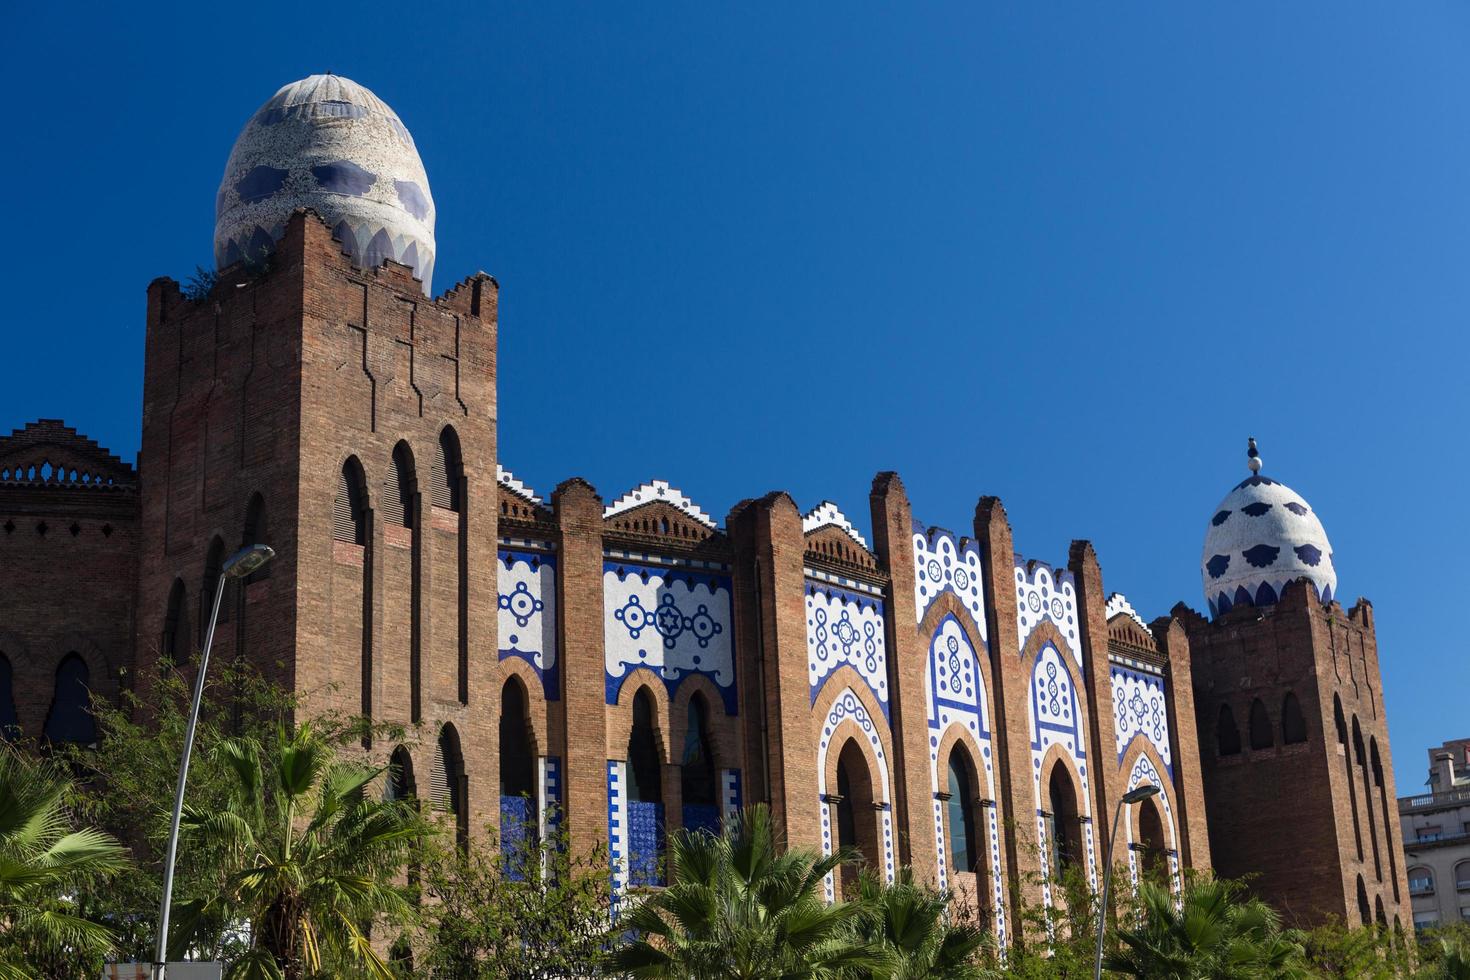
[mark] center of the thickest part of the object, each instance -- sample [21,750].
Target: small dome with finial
[1262,537]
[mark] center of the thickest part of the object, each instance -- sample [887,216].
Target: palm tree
[43,862]
[914,926]
[741,908]
[1212,934]
[308,860]
[1454,963]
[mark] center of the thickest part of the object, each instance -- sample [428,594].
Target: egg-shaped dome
[328,144]
[1261,537]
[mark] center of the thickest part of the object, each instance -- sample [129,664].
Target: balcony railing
[1450,797]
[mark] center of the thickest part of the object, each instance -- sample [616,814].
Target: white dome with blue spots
[328,144]
[1262,537]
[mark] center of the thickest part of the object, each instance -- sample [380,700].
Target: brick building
[929,697]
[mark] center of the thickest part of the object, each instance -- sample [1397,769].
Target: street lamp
[1135,795]
[238,565]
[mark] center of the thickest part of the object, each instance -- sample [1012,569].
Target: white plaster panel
[943,564]
[845,627]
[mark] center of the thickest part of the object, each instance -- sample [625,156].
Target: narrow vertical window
[1065,824]
[645,796]
[518,815]
[1227,735]
[349,509]
[447,471]
[214,560]
[70,717]
[697,771]
[9,722]
[399,487]
[257,531]
[1262,737]
[1293,723]
[964,849]
[174,644]
[447,783]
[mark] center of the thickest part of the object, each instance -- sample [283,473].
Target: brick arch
[535,695]
[948,604]
[1139,758]
[956,735]
[724,728]
[620,724]
[847,680]
[850,716]
[1057,756]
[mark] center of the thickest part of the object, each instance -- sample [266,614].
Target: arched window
[349,508]
[1421,881]
[1152,843]
[1365,915]
[1338,721]
[697,782]
[447,782]
[174,645]
[1227,735]
[1462,876]
[400,783]
[1064,828]
[399,487]
[518,817]
[1262,737]
[447,471]
[645,796]
[70,717]
[857,825]
[9,722]
[1377,761]
[1378,914]
[964,836]
[257,531]
[1293,723]
[214,560]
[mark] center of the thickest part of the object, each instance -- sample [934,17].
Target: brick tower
[1298,775]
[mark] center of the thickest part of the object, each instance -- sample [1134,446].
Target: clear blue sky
[1068,254]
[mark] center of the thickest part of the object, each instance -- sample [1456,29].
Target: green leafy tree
[310,860]
[918,931]
[742,907]
[537,909]
[44,865]
[1214,933]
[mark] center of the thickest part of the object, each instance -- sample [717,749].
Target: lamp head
[247,560]
[1140,793]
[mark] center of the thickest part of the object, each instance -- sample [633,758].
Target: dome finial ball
[1254,462]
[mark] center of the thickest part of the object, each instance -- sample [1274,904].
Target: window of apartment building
[1465,912]
[1462,876]
[1426,920]
[1428,833]
[1421,881]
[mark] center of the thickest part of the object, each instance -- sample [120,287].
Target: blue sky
[1067,254]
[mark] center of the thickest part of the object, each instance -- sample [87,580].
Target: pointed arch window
[174,644]
[1262,737]
[1064,826]
[857,817]
[1227,734]
[1152,843]
[964,837]
[257,531]
[448,471]
[9,722]
[645,796]
[1293,722]
[214,560]
[400,782]
[447,783]
[399,487]
[518,817]
[697,781]
[349,507]
[70,718]
[1365,916]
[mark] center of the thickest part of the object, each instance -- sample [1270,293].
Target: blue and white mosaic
[942,564]
[828,514]
[1262,537]
[526,620]
[1046,594]
[674,621]
[1140,709]
[849,705]
[730,794]
[329,144]
[617,823]
[1056,716]
[955,695]
[845,627]
[1144,772]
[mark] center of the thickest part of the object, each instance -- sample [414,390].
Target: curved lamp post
[240,564]
[1135,795]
